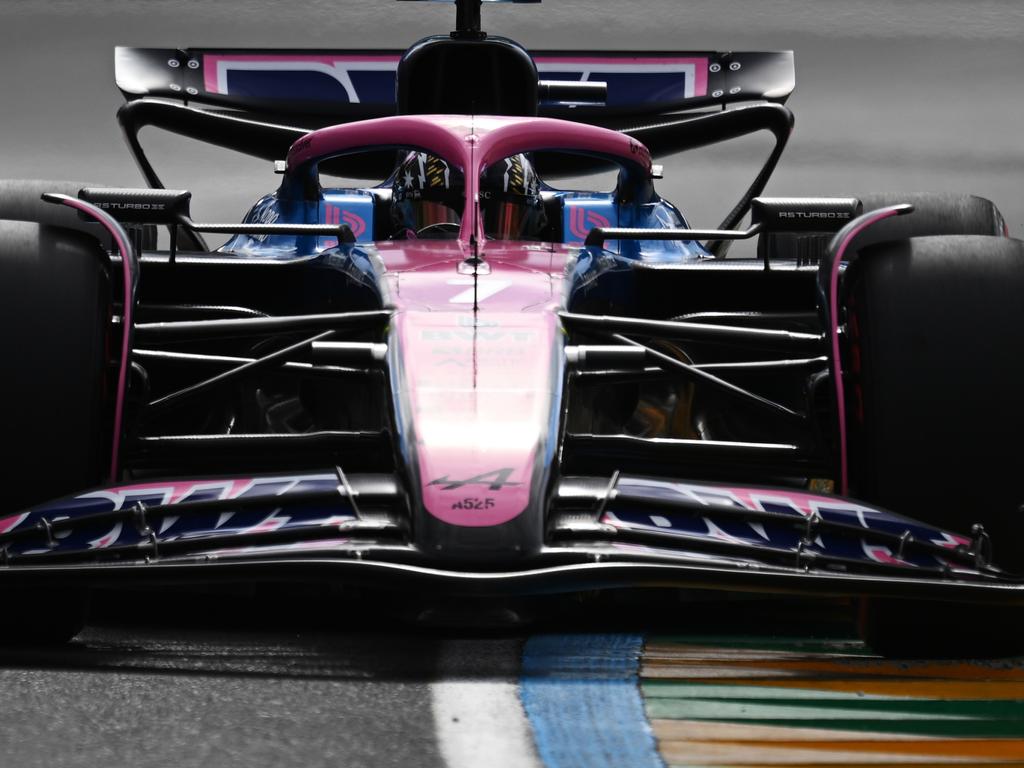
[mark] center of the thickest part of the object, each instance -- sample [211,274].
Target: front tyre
[935,380]
[34,616]
[54,317]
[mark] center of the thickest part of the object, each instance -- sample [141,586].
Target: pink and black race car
[448,375]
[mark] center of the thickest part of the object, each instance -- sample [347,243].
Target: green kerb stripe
[799,706]
[796,644]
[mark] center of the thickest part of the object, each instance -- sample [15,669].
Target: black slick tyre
[42,616]
[54,315]
[934,214]
[55,307]
[935,376]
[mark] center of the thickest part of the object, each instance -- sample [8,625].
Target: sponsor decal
[10,523]
[484,289]
[445,334]
[142,498]
[355,223]
[106,540]
[881,554]
[266,215]
[116,206]
[775,534]
[636,148]
[495,480]
[271,523]
[814,215]
[627,76]
[335,215]
[175,492]
[218,69]
[582,220]
[355,78]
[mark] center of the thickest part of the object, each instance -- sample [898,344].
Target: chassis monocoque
[613,403]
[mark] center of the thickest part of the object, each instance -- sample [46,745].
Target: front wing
[602,533]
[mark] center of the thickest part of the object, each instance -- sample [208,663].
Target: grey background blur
[908,95]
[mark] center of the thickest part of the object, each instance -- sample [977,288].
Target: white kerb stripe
[480,722]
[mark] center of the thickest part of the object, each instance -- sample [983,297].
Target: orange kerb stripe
[708,754]
[993,749]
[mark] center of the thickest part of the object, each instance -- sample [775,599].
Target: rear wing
[337,86]
[261,101]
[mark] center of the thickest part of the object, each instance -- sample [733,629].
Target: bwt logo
[335,215]
[581,220]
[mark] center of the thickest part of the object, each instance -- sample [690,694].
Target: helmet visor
[508,220]
[504,220]
[419,216]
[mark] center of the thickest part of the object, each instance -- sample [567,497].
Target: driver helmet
[425,191]
[510,200]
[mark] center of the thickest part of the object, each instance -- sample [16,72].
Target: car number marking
[474,503]
[484,290]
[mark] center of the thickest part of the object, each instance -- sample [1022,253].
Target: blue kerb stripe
[582,698]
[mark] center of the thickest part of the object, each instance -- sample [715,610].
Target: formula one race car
[457,378]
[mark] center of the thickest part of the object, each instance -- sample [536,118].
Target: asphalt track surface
[915,95]
[224,697]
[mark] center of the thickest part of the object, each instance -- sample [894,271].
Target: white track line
[479,718]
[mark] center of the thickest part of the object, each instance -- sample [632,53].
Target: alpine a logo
[495,480]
